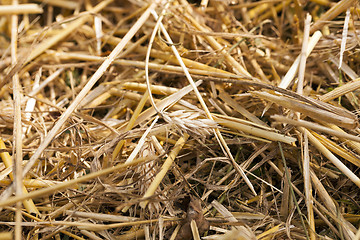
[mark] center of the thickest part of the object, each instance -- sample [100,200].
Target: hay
[133,119]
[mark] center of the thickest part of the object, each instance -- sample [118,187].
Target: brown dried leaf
[194,212]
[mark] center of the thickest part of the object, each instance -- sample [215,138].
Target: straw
[122,113]
[20,9]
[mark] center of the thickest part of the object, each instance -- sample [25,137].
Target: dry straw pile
[179,119]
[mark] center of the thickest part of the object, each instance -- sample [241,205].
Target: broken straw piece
[344,35]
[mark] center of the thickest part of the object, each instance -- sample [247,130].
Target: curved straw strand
[148,51]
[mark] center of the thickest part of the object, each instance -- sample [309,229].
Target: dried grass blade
[141,142]
[303,55]
[63,209]
[175,232]
[223,211]
[32,183]
[126,224]
[17,129]
[140,64]
[354,145]
[188,62]
[61,3]
[269,234]
[344,36]
[166,102]
[156,89]
[17,126]
[286,199]
[326,221]
[101,216]
[344,67]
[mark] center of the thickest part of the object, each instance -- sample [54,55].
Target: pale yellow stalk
[309,110]
[17,129]
[269,233]
[61,3]
[101,216]
[341,90]
[131,123]
[266,134]
[32,183]
[156,89]
[194,230]
[165,167]
[227,99]
[6,235]
[354,144]
[20,9]
[308,189]
[338,132]
[289,76]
